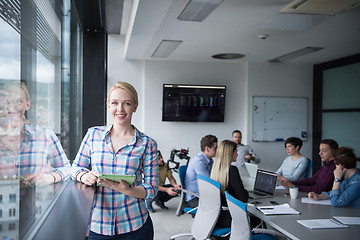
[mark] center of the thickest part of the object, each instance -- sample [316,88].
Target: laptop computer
[252,169]
[265,184]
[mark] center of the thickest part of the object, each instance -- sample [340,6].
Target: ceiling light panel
[165,48]
[295,54]
[198,10]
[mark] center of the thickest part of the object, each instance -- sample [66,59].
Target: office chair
[182,204]
[309,168]
[240,225]
[208,211]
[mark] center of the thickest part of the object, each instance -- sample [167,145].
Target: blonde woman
[119,210]
[229,178]
[36,152]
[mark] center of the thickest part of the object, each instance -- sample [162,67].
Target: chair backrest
[309,168]
[182,172]
[240,227]
[209,208]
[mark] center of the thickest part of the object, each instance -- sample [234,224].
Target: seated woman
[346,186]
[322,180]
[295,165]
[229,178]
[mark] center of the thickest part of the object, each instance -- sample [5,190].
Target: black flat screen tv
[193,103]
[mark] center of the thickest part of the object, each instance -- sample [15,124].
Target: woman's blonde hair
[223,160]
[127,87]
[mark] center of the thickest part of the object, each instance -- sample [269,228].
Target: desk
[288,225]
[66,217]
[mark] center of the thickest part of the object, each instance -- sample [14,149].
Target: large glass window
[40,48]
[341,105]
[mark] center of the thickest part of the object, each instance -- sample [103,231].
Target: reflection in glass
[340,126]
[30,150]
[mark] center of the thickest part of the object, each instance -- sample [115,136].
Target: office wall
[275,79]
[242,80]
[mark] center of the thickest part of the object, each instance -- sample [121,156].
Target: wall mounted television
[193,103]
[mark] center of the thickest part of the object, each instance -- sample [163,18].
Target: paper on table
[321,223]
[283,209]
[280,187]
[312,201]
[349,220]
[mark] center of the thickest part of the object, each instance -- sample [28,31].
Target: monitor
[193,103]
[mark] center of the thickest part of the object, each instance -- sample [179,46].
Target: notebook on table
[265,184]
[321,223]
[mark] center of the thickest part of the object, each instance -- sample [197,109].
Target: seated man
[165,191]
[200,164]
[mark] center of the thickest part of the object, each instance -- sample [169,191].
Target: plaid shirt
[114,212]
[41,151]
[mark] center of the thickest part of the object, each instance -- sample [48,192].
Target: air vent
[325,7]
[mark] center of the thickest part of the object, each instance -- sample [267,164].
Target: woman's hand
[285,182]
[313,195]
[316,197]
[339,171]
[121,186]
[40,179]
[89,178]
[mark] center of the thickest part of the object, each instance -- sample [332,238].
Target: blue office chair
[182,204]
[240,225]
[309,168]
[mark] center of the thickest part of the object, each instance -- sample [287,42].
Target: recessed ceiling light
[228,56]
[198,10]
[295,54]
[165,48]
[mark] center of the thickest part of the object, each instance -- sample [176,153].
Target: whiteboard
[278,118]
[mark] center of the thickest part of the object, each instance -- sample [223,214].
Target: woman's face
[24,104]
[291,149]
[121,106]
[325,153]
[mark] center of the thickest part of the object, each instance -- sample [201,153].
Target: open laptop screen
[265,181]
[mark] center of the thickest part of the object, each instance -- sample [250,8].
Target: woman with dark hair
[322,180]
[295,165]
[346,186]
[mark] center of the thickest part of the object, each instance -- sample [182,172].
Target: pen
[266,208]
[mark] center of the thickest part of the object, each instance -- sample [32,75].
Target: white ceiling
[233,27]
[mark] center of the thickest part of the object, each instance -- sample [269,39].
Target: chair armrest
[189,192]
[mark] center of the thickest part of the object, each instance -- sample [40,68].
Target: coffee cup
[293,192]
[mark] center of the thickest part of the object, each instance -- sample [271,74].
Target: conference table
[288,225]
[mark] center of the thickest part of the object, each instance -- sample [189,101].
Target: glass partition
[37,76]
